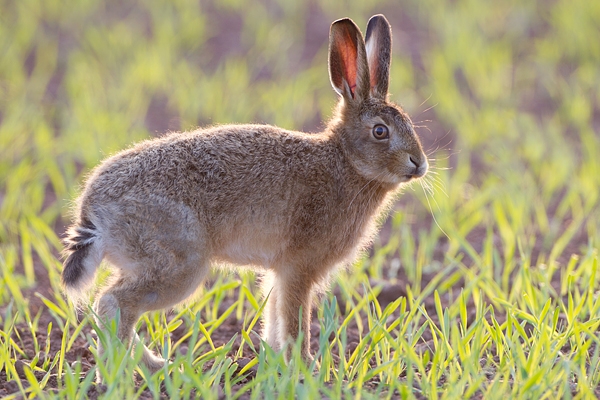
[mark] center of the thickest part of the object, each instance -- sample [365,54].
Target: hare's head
[378,136]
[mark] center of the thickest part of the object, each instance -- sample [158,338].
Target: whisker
[431,167]
[427,109]
[428,187]
[430,152]
[423,127]
[432,192]
[438,183]
[426,100]
[432,214]
[441,189]
[446,147]
[436,176]
[452,153]
[428,184]
[442,138]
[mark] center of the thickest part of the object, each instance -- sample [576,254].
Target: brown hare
[295,204]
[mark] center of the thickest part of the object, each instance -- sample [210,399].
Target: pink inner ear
[348,55]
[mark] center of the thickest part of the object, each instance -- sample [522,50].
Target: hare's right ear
[348,69]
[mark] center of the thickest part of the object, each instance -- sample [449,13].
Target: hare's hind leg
[153,289]
[106,308]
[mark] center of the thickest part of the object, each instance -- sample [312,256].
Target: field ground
[484,281]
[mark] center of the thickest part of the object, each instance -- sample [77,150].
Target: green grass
[501,288]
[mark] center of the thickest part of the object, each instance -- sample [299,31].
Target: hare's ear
[348,69]
[379,54]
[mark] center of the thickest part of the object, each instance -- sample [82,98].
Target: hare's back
[235,157]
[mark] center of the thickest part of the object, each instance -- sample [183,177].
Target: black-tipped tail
[80,238]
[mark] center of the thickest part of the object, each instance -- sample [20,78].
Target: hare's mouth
[415,175]
[408,178]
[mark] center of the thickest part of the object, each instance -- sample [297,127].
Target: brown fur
[298,205]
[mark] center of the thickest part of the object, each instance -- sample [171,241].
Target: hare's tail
[82,254]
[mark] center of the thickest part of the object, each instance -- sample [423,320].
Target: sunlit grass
[492,265]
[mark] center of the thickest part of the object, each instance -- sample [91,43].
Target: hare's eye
[381,132]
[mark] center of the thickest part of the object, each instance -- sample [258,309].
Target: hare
[296,205]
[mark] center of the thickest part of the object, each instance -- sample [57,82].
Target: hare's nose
[420,167]
[414,161]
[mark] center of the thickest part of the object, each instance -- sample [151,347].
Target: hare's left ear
[348,69]
[379,54]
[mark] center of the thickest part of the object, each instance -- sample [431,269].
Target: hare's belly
[255,248]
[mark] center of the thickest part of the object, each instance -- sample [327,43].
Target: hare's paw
[153,362]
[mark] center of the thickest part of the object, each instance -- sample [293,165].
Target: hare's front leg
[271,323]
[294,305]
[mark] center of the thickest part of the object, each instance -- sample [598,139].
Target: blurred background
[505,95]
